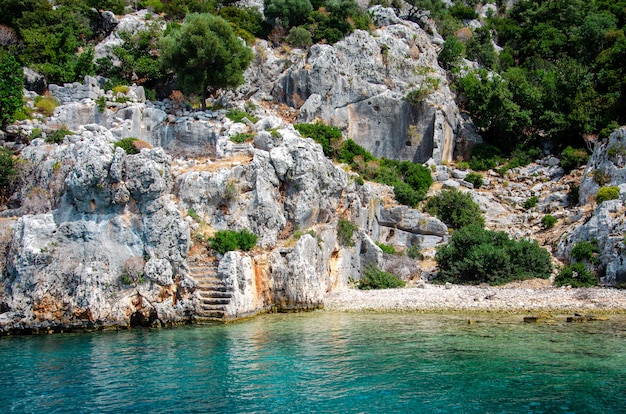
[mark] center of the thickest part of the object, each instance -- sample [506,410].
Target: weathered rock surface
[107,247]
[361,84]
[607,225]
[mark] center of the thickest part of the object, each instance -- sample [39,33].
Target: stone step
[215,295]
[214,314]
[214,288]
[214,301]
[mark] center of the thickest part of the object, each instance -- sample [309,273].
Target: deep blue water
[323,362]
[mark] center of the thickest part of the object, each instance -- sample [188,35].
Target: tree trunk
[205,95]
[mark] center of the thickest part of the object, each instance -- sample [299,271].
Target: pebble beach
[453,298]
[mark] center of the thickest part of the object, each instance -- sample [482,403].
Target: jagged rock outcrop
[385,89]
[607,224]
[109,246]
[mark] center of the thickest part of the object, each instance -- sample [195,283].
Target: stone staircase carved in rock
[215,295]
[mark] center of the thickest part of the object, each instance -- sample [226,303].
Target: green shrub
[8,170]
[46,104]
[572,158]
[57,137]
[601,178]
[124,89]
[586,250]
[455,208]
[463,165]
[475,255]
[548,221]
[11,88]
[530,202]
[576,275]
[374,278]
[345,231]
[329,137]
[414,252]
[194,215]
[237,115]
[241,138]
[475,178]
[484,157]
[127,145]
[386,248]
[228,240]
[452,53]
[299,37]
[607,193]
[287,13]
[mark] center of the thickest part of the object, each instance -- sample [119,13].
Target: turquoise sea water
[323,362]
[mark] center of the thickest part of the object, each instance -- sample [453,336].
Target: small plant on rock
[345,231]
[530,203]
[127,145]
[386,248]
[58,136]
[475,178]
[548,221]
[607,193]
[572,158]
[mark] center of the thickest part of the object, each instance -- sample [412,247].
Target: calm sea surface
[323,362]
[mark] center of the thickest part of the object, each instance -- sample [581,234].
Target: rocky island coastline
[119,199]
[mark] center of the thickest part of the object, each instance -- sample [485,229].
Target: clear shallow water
[323,362]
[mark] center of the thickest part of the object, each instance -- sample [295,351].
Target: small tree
[205,54]
[287,13]
[11,86]
[455,208]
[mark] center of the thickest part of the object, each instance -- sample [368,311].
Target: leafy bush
[329,137]
[228,240]
[127,145]
[123,89]
[573,158]
[548,221]
[299,37]
[11,88]
[374,278]
[576,275]
[241,138]
[345,231]
[414,252]
[7,170]
[452,53]
[484,157]
[475,178]
[530,202]
[607,193]
[287,13]
[586,250]
[475,255]
[237,115]
[58,136]
[601,178]
[46,104]
[455,208]
[386,248]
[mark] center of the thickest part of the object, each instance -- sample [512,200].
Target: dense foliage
[576,275]
[559,76]
[127,145]
[475,255]
[227,240]
[10,88]
[8,171]
[455,208]
[374,278]
[205,54]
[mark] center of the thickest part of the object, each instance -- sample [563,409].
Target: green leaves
[455,208]
[475,255]
[11,87]
[205,53]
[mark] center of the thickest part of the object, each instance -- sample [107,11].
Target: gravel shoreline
[451,298]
